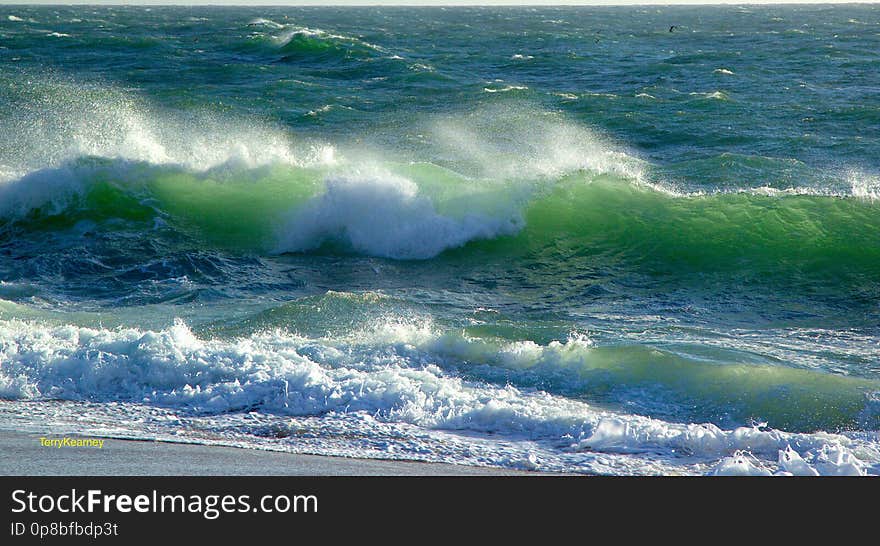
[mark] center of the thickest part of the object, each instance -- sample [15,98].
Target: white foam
[739,464]
[285,37]
[853,183]
[291,33]
[715,95]
[383,214]
[505,89]
[378,385]
[278,372]
[791,462]
[261,22]
[326,108]
[51,189]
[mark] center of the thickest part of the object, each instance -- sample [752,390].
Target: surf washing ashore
[545,239]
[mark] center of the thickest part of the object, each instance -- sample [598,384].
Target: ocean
[600,240]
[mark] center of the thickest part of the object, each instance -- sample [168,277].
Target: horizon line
[465,3]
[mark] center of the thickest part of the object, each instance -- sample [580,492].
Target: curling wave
[419,211]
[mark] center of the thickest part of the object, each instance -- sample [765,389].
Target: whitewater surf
[324,231]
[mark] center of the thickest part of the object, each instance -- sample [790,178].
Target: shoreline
[22,455]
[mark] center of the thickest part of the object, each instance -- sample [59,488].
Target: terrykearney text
[72,442]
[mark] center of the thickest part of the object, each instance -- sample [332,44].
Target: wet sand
[22,455]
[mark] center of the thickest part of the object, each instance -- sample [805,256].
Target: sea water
[622,240]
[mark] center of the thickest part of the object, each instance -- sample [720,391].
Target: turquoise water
[566,239]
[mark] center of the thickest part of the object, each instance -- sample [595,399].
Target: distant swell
[312,46]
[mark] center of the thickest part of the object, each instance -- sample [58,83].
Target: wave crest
[386,215]
[57,122]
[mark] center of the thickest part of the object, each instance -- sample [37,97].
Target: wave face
[530,246]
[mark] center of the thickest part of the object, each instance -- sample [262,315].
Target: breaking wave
[413,374]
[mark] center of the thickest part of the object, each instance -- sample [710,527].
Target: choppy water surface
[563,239]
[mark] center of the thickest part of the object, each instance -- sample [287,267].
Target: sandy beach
[22,455]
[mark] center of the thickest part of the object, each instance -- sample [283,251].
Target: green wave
[727,386]
[642,228]
[701,382]
[237,213]
[238,209]
[312,46]
[578,218]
